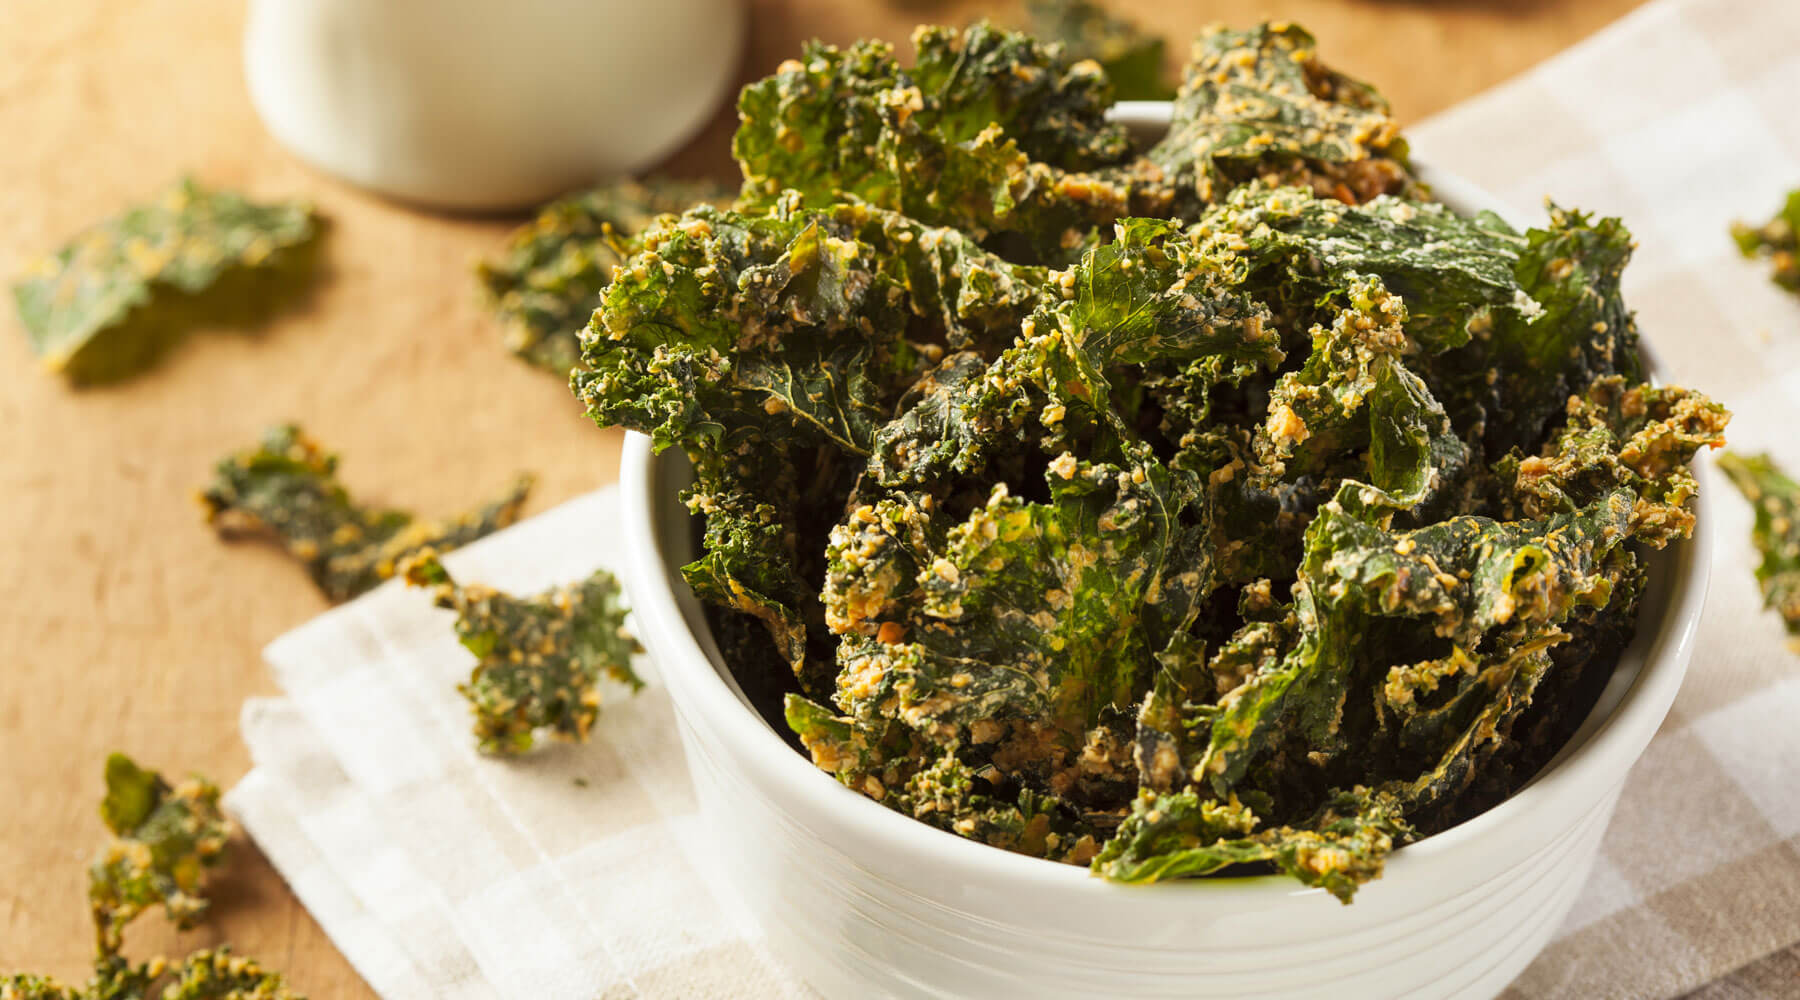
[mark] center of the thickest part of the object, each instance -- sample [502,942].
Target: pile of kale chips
[1228,505]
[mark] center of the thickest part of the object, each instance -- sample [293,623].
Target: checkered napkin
[578,872]
[572,873]
[1679,119]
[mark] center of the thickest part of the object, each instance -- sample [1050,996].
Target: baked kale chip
[770,348]
[1132,59]
[165,837]
[990,132]
[208,974]
[286,489]
[547,280]
[1270,517]
[1776,501]
[539,659]
[1259,105]
[1777,241]
[114,299]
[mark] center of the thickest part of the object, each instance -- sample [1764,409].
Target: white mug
[487,104]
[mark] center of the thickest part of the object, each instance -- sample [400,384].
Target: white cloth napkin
[574,872]
[577,873]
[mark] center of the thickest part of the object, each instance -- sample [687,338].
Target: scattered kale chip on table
[1227,506]
[118,296]
[1776,500]
[167,836]
[286,489]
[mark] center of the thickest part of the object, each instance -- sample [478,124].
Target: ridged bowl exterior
[865,902]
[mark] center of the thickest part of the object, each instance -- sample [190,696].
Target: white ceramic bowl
[864,901]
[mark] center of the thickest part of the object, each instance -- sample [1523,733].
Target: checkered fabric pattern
[1680,119]
[442,873]
[578,874]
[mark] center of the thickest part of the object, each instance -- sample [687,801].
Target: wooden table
[123,623]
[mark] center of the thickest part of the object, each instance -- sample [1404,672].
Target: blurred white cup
[487,104]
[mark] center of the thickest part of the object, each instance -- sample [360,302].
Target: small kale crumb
[1775,240]
[539,659]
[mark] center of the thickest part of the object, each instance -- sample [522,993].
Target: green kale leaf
[208,974]
[1175,835]
[547,280]
[990,132]
[1776,500]
[1775,241]
[1258,104]
[769,349]
[539,659]
[165,837]
[286,488]
[118,296]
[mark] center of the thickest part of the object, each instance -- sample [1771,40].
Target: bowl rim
[1592,764]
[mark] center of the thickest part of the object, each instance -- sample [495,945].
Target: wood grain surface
[123,623]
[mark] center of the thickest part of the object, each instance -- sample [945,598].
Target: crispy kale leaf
[1776,500]
[1580,329]
[1618,434]
[1003,137]
[1355,396]
[165,837]
[26,986]
[893,766]
[1775,240]
[800,317]
[220,975]
[1258,104]
[1452,272]
[990,131]
[208,974]
[1497,323]
[1132,59]
[1171,836]
[115,298]
[1055,593]
[539,659]
[547,280]
[769,348]
[1019,634]
[286,488]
